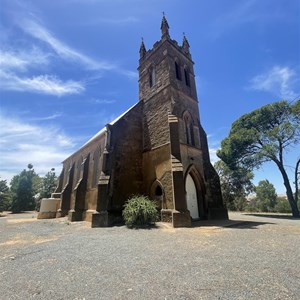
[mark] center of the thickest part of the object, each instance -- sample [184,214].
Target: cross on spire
[164,28]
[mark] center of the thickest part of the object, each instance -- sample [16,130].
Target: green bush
[139,211]
[282,206]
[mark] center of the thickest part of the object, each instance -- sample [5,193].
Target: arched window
[96,157]
[152,79]
[187,77]
[177,70]
[189,129]
[78,169]
[158,191]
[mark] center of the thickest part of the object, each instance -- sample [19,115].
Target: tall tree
[235,184]
[22,190]
[266,195]
[265,134]
[4,196]
[49,183]
[47,187]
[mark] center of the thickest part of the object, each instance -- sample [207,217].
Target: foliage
[266,196]
[47,187]
[264,134]
[22,190]
[139,211]
[282,206]
[4,196]
[235,185]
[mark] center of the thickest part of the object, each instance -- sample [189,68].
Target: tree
[22,190]
[266,196]
[47,187]
[4,196]
[235,184]
[265,134]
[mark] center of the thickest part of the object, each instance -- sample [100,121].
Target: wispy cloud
[236,15]
[16,64]
[245,12]
[22,143]
[45,84]
[47,118]
[21,60]
[102,101]
[40,32]
[280,81]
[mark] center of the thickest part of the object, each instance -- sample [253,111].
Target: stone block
[74,215]
[100,219]
[181,219]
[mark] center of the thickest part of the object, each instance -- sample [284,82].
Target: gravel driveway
[249,257]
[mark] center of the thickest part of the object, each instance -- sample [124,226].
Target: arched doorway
[191,197]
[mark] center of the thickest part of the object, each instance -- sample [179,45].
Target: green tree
[265,196]
[47,187]
[235,184]
[265,134]
[4,196]
[22,190]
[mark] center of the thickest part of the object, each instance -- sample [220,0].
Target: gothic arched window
[189,129]
[177,70]
[187,77]
[96,158]
[152,79]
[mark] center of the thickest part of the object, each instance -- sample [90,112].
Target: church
[156,148]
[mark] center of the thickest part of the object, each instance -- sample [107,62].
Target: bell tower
[172,134]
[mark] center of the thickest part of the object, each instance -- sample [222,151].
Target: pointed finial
[142,49]
[185,44]
[164,28]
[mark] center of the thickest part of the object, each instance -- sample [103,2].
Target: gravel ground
[249,257]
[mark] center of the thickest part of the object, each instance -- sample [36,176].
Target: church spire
[164,28]
[142,49]
[185,44]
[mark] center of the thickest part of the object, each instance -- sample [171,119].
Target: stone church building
[156,148]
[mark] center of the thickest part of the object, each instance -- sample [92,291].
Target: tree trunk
[289,192]
[297,174]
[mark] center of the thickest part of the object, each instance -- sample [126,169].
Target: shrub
[282,206]
[139,211]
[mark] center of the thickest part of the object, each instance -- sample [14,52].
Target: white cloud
[47,118]
[101,101]
[45,84]
[39,32]
[280,81]
[21,60]
[22,143]
[213,155]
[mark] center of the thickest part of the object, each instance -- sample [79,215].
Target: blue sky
[68,67]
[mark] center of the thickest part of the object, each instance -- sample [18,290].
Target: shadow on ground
[239,224]
[276,216]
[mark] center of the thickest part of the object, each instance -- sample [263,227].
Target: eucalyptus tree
[266,134]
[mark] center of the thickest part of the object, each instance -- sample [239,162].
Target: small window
[187,77]
[152,77]
[158,191]
[177,69]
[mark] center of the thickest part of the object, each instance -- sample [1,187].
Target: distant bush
[282,206]
[139,211]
